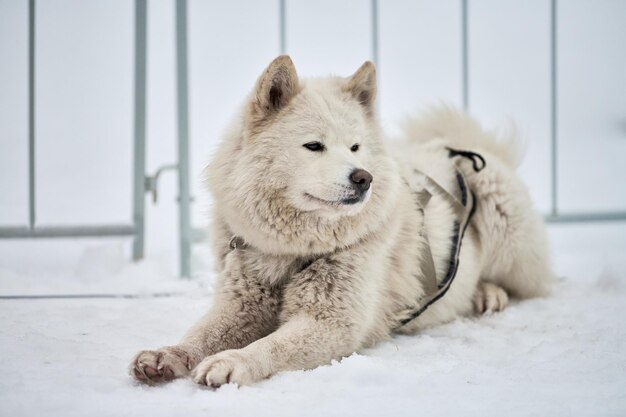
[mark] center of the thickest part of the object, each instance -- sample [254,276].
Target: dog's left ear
[362,86]
[274,89]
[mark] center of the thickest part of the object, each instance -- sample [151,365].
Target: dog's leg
[328,317]
[489,298]
[245,310]
[513,235]
[301,343]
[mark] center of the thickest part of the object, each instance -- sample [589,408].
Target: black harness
[464,203]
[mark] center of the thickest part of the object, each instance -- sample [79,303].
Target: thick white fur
[319,279]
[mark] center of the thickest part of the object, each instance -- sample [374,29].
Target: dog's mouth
[347,201]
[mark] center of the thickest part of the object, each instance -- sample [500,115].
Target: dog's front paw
[489,298]
[162,365]
[224,368]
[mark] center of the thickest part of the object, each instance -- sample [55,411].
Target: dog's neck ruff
[463,203]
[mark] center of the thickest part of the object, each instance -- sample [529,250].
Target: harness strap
[478,162]
[464,206]
[428,264]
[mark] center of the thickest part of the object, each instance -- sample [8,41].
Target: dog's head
[303,154]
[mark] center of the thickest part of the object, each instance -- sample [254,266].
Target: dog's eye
[355,147]
[314,146]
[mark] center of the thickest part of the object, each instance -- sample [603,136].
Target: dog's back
[463,132]
[511,232]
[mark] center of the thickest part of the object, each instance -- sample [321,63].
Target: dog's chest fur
[270,270]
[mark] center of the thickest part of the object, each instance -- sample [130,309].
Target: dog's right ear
[275,88]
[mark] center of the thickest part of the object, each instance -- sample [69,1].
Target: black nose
[361,179]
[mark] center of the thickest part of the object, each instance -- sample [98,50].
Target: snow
[562,355]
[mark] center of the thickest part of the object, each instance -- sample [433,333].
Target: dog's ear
[274,89]
[362,86]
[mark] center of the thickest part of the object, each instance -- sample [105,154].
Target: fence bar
[85,296]
[66,231]
[586,217]
[139,168]
[183,138]
[375,34]
[31,113]
[464,55]
[282,26]
[553,108]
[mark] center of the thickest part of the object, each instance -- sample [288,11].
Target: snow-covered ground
[563,355]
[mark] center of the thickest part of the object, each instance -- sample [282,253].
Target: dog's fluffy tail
[464,133]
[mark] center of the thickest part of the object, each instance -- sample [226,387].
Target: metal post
[183,138]
[465,56]
[282,26]
[139,129]
[375,33]
[553,108]
[47,232]
[610,216]
[31,114]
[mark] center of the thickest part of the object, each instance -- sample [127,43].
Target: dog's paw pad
[156,366]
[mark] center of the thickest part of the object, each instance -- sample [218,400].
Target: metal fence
[143,183]
[135,228]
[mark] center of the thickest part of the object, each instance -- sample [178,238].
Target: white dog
[328,241]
